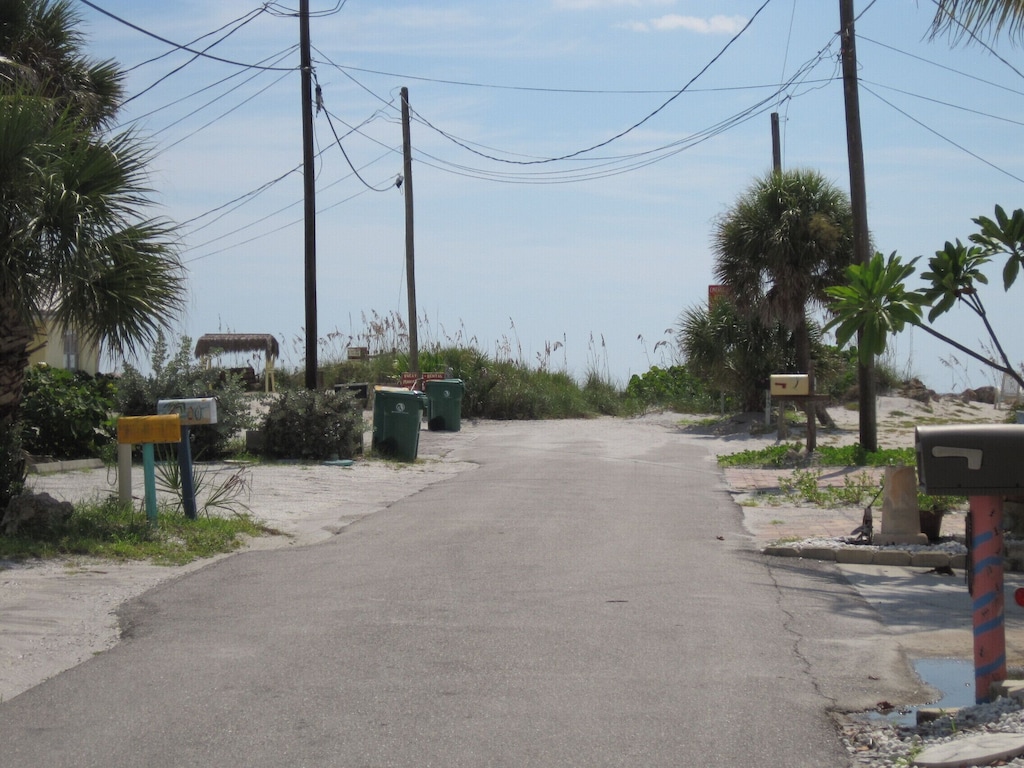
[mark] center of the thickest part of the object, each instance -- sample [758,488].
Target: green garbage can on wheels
[397,415]
[445,409]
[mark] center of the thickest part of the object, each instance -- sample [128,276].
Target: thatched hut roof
[237,342]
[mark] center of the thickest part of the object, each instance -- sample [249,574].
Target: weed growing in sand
[805,486]
[217,489]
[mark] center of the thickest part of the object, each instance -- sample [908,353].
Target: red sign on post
[718,292]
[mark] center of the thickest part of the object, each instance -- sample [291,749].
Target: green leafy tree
[733,352]
[875,298]
[76,246]
[875,301]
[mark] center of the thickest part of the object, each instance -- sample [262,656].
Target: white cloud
[589,5]
[715,25]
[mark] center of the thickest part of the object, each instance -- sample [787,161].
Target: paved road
[584,597]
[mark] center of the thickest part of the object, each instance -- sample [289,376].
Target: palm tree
[975,18]
[787,239]
[733,352]
[73,238]
[40,49]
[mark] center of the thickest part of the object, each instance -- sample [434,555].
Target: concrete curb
[867,556]
[64,466]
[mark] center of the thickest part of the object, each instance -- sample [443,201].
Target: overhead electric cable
[155,36]
[218,117]
[633,127]
[945,103]
[180,67]
[165,54]
[320,107]
[937,64]
[276,57]
[944,138]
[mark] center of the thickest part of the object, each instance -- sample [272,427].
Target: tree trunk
[15,339]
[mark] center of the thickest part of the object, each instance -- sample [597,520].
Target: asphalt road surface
[585,596]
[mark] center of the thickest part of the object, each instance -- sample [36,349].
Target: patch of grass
[790,455]
[772,456]
[109,529]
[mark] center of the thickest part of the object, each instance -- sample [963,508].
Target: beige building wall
[65,349]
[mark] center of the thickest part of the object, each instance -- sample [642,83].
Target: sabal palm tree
[73,237]
[735,353]
[41,50]
[784,241]
[978,18]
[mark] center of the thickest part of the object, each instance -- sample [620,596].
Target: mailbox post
[192,411]
[982,462]
[144,430]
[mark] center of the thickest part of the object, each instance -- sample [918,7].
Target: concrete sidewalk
[931,612]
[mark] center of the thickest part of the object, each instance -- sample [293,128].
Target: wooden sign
[135,430]
[191,411]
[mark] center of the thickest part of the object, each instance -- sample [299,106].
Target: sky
[570,159]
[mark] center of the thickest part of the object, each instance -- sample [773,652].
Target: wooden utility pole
[776,144]
[410,255]
[858,204]
[309,193]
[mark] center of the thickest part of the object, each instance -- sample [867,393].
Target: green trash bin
[445,410]
[397,415]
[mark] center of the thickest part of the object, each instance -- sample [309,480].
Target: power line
[177,45]
[941,136]
[218,41]
[276,57]
[945,103]
[165,54]
[938,65]
[628,130]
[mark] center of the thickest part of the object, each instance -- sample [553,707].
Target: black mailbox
[971,460]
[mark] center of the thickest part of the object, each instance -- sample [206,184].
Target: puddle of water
[953,678]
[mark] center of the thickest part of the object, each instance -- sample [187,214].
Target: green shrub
[313,425]
[182,376]
[66,414]
[674,387]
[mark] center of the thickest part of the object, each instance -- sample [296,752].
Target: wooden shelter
[211,344]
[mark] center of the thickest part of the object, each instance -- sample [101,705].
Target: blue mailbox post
[191,412]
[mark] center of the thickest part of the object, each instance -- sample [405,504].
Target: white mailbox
[191,411]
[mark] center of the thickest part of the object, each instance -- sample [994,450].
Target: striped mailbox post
[190,412]
[982,462]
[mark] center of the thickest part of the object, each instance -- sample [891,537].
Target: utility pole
[776,144]
[309,193]
[858,204]
[410,255]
